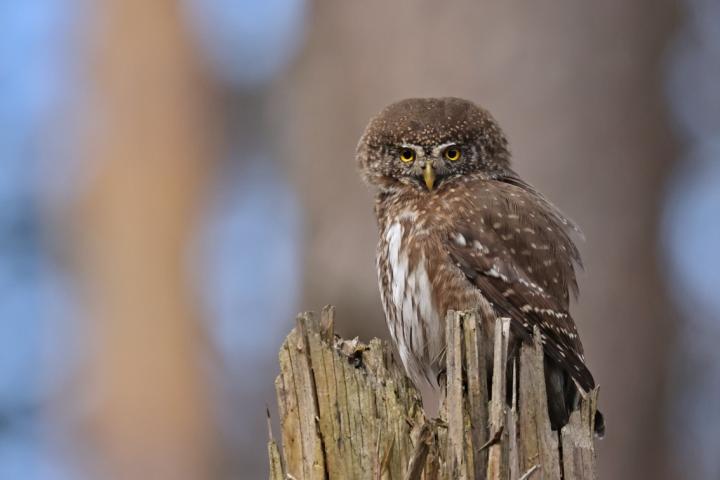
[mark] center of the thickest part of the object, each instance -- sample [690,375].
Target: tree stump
[347,411]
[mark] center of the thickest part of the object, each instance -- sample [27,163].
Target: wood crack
[347,411]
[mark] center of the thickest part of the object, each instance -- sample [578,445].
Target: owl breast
[407,296]
[418,285]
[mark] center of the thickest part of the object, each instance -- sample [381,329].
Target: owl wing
[514,246]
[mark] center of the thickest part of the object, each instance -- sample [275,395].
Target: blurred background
[177,180]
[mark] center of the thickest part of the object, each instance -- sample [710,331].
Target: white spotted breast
[407,298]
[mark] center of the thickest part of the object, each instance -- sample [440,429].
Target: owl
[460,230]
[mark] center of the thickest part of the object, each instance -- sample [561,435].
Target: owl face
[426,143]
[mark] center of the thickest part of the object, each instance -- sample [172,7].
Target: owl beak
[429,175]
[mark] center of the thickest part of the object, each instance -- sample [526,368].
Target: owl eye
[452,153]
[407,155]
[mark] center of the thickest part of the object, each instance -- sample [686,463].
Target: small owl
[460,230]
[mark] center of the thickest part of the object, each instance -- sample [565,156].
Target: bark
[347,411]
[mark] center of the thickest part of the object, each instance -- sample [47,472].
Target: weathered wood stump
[347,411]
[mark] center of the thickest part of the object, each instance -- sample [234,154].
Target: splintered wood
[347,411]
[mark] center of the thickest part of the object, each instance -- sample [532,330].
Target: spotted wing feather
[515,248]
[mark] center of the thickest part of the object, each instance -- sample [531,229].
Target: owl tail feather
[563,396]
[599,424]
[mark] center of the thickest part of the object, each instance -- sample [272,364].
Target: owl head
[426,143]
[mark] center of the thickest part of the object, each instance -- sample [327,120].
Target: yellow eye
[452,154]
[407,155]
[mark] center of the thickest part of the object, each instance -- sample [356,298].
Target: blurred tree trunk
[147,150]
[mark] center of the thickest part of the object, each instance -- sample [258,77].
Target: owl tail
[561,394]
[599,424]
[563,397]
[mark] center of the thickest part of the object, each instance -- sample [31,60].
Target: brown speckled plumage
[475,237]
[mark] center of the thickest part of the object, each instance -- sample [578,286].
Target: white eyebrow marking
[419,151]
[438,148]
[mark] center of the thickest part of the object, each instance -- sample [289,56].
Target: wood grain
[347,411]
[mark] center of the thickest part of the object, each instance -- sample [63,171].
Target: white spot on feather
[480,247]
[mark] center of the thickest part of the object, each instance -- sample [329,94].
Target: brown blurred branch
[347,411]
